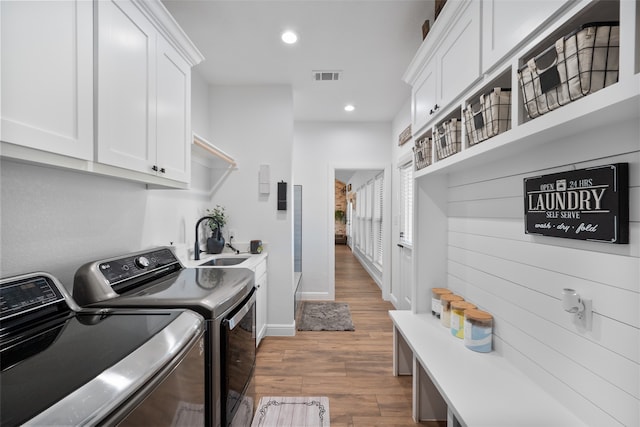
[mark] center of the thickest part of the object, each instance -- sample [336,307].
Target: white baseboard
[373,273]
[315,296]
[281,330]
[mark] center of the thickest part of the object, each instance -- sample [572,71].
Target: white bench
[465,387]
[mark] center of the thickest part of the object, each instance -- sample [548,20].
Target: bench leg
[402,355]
[428,404]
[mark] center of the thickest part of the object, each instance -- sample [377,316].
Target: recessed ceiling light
[349,107]
[289,37]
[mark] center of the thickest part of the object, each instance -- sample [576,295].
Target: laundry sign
[584,204]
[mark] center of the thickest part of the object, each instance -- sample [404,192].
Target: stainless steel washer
[224,297]
[61,365]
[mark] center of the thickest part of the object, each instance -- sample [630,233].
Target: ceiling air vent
[326,75]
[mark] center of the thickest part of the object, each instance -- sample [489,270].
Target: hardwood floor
[353,369]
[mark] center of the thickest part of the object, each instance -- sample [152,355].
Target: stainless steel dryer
[64,366]
[224,297]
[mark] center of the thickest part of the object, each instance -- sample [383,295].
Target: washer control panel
[27,294]
[133,266]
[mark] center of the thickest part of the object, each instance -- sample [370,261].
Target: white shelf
[618,102]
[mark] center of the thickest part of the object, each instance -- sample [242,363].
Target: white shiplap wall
[519,277]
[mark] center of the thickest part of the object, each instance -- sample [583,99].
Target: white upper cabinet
[144,95]
[509,23]
[126,87]
[459,54]
[173,112]
[447,62]
[126,63]
[424,99]
[47,76]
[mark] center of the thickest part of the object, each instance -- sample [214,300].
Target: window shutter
[406,204]
[377,219]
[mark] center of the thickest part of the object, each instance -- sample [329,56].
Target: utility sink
[220,262]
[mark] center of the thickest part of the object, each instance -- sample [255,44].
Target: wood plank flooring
[353,369]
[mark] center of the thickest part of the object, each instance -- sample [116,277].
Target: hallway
[353,369]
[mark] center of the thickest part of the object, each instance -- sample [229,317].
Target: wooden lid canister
[462,305]
[449,298]
[478,316]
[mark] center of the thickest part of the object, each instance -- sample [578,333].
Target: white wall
[319,149]
[56,220]
[254,124]
[519,278]
[200,116]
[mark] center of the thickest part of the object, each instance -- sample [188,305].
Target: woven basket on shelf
[580,63]
[489,117]
[448,138]
[422,152]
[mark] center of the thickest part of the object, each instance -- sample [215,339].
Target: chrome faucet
[196,247]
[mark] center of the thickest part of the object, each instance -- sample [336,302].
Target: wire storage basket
[448,139]
[580,63]
[422,152]
[490,116]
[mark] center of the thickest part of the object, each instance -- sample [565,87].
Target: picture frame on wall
[405,135]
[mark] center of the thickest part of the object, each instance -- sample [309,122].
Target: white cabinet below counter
[260,271]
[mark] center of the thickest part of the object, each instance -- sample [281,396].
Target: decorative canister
[457,317]
[445,301]
[478,329]
[436,293]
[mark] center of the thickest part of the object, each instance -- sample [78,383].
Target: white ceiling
[371,41]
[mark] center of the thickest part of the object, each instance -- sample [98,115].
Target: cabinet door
[126,87]
[261,308]
[424,97]
[47,76]
[459,54]
[173,113]
[507,23]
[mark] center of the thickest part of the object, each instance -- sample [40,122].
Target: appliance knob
[142,262]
